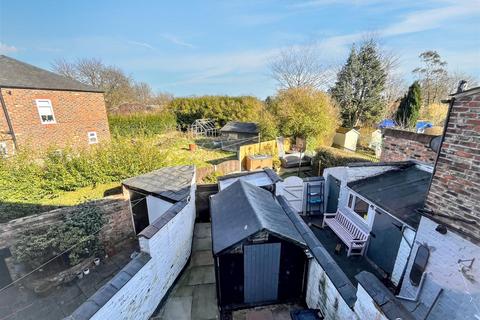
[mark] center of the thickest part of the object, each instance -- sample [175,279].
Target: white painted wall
[403,254]
[322,294]
[365,307]
[169,249]
[460,298]
[156,208]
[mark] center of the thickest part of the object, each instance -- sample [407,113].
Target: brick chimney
[454,196]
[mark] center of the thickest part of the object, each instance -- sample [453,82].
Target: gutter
[9,121]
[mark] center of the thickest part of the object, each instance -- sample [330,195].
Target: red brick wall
[76,113]
[399,145]
[455,189]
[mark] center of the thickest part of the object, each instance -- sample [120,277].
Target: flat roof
[399,192]
[260,178]
[170,183]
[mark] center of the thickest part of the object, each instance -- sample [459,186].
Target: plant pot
[192,147]
[86,271]
[96,261]
[80,275]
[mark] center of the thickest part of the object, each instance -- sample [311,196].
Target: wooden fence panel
[266,147]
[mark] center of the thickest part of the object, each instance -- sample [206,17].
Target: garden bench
[353,237]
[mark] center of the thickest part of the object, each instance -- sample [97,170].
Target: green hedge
[328,157]
[220,108]
[138,124]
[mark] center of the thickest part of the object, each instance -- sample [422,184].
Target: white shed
[346,138]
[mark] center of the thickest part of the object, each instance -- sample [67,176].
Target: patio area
[194,296]
[352,265]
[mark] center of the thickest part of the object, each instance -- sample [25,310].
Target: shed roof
[170,183]
[17,74]
[400,191]
[242,210]
[260,178]
[345,130]
[243,127]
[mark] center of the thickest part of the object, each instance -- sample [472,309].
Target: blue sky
[224,47]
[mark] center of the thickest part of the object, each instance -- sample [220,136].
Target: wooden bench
[353,237]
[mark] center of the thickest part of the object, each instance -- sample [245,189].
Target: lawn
[30,187]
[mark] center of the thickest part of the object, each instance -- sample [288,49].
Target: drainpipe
[9,121]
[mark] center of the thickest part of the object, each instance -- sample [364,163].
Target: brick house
[40,109]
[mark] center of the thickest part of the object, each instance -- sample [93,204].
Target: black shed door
[261,269]
[385,239]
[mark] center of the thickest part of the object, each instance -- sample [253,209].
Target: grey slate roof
[399,192]
[242,210]
[243,127]
[169,183]
[17,74]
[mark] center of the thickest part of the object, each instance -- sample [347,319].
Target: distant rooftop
[400,191]
[242,127]
[17,74]
[170,183]
[242,210]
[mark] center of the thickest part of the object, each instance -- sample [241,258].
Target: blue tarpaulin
[422,125]
[387,123]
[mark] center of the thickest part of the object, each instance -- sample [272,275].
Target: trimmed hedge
[140,124]
[328,157]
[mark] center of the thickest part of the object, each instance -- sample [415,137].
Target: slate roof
[242,210]
[17,74]
[399,191]
[169,183]
[243,127]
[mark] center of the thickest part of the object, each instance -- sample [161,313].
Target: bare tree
[61,66]
[299,67]
[433,76]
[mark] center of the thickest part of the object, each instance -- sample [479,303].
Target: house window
[357,205]
[92,137]
[3,149]
[45,110]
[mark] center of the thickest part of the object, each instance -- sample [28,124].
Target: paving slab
[202,258]
[204,305]
[179,308]
[201,275]
[183,291]
[202,230]
[202,244]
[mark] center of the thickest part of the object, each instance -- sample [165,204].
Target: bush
[327,157]
[307,113]
[220,108]
[138,124]
[25,180]
[78,230]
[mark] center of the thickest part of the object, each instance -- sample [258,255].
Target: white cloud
[175,40]
[5,48]
[141,44]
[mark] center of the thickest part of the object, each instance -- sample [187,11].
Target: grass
[29,186]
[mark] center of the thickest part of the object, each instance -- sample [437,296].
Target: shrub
[307,113]
[220,108]
[78,229]
[327,157]
[139,124]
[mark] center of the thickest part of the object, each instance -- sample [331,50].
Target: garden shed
[346,138]
[235,134]
[259,255]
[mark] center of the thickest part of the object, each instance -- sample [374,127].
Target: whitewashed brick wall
[169,249]
[322,294]
[403,254]
[365,307]
[460,298]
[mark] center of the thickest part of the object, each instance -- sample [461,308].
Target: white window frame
[94,135]
[37,101]
[370,217]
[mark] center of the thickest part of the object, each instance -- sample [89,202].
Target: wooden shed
[346,138]
[235,134]
[259,255]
